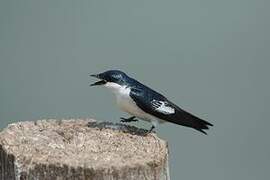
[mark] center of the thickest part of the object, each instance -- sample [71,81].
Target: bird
[142,102]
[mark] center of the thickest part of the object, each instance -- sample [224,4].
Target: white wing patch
[162,107]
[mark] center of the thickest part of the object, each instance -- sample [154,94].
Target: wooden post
[81,149]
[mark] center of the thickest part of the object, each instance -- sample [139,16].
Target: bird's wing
[159,106]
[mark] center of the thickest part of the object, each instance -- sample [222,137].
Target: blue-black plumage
[145,103]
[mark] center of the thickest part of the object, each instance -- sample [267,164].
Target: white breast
[126,103]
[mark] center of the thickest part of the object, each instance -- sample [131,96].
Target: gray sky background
[211,57]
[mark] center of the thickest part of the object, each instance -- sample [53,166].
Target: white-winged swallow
[144,103]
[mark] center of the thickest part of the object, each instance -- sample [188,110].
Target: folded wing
[159,106]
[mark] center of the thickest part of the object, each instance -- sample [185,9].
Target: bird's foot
[128,119]
[151,130]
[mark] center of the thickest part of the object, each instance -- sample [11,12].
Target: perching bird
[144,103]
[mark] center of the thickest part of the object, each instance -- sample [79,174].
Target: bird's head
[111,79]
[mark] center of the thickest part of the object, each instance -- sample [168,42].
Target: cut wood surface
[81,149]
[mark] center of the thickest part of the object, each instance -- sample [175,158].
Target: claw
[151,130]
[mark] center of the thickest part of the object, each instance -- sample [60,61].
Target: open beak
[101,82]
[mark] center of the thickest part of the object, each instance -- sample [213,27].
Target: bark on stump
[81,149]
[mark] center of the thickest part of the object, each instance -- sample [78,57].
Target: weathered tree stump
[81,149]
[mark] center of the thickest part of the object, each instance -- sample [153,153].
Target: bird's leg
[150,130]
[132,118]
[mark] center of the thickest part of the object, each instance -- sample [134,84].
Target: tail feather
[201,125]
[184,118]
